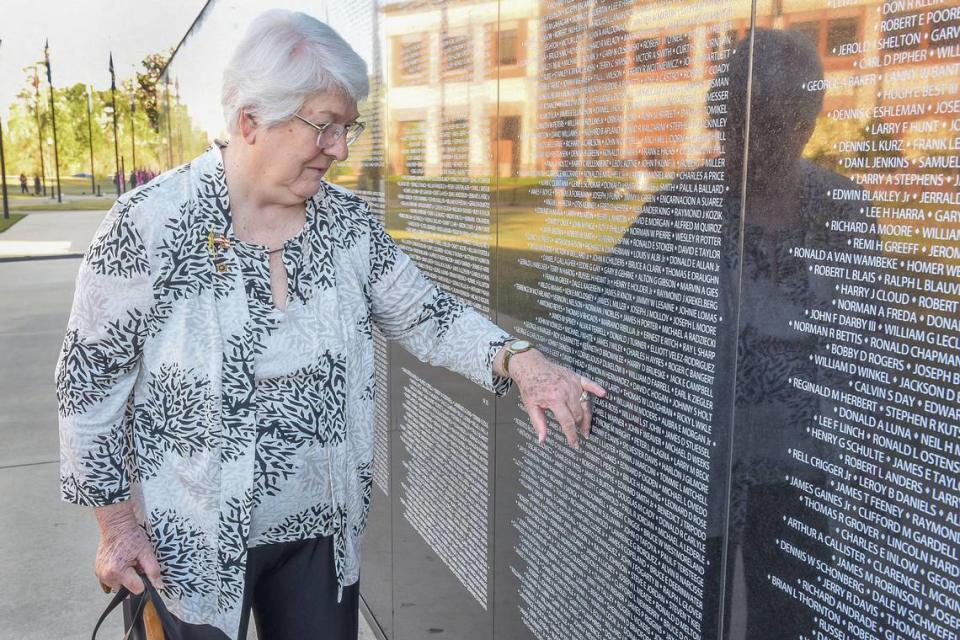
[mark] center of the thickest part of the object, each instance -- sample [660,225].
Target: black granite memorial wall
[743,219]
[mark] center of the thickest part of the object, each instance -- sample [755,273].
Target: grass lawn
[6,223]
[41,204]
[76,195]
[70,185]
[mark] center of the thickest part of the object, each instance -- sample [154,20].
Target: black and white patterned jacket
[155,380]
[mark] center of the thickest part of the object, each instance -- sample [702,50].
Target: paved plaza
[47,547]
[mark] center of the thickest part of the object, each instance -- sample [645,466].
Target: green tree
[145,123]
[153,64]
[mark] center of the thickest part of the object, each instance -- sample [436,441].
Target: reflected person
[787,205]
[784,204]
[216,382]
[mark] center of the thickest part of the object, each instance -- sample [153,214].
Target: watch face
[519,345]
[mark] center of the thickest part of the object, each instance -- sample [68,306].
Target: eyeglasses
[329,133]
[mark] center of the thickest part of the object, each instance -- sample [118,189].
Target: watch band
[514,348]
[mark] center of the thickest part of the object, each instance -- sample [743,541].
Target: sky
[82,33]
[198,65]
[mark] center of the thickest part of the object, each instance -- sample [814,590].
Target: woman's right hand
[124,548]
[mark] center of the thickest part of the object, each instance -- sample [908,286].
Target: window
[457,54]
[507,47]
[412,147]
[506,52]
[455,147]
[840,32]
[676,52]
[831,37]
[944,33]
[508,146]
[411,58]
[809,30]
[658,53]
[645,54]
[721,42]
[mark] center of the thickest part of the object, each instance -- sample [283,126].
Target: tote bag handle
[147,610]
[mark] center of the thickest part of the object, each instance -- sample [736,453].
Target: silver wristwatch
[515,347]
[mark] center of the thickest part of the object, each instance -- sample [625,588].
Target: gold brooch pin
[216,244]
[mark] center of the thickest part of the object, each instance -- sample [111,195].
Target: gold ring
[584,396]
[106,588]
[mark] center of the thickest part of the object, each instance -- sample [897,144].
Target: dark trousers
[292,590]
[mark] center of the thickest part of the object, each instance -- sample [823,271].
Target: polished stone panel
[742,218]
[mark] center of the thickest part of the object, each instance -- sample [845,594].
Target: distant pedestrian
[23,184]
[36,185]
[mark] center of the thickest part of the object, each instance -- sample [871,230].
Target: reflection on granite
[743,219]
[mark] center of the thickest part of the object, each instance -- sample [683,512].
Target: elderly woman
[216,381]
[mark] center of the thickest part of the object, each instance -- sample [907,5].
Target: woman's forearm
[115,517]
[124,549]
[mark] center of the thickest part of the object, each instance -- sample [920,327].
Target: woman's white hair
[284,58]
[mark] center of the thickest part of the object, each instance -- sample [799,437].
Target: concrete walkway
[50,233]
[47,547]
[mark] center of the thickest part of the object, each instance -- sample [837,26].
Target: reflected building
[447,61]
[742,218]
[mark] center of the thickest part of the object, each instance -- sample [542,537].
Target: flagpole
[93,179]
[3,171]
[116,143]
[133,135]
[53,117]
[36,110]
[166,96]
[176,88]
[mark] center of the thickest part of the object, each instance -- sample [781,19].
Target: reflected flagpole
[53,118]
[113,104]
[36,110]
[3,171]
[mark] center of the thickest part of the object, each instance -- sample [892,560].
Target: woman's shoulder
[349,215]
[151,204]
[123,243]
[344,199]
